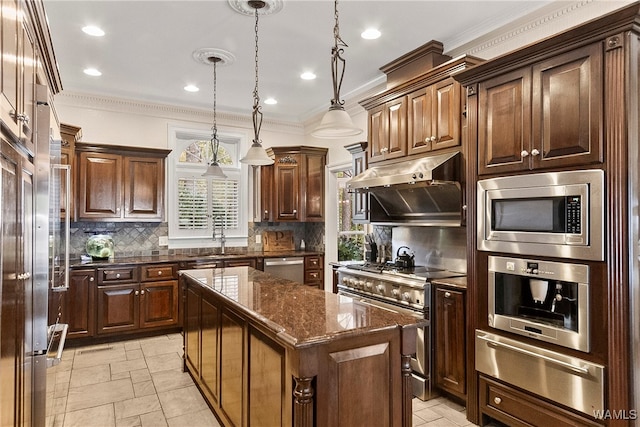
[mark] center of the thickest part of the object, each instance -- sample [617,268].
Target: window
[350,235]
[199,204]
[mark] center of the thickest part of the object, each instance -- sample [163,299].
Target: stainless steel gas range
[403,290]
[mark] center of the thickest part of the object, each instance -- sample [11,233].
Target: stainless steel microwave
[556,214]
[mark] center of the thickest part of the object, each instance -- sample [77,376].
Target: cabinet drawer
[157,272]
[312,276]
[513,407]
[250,262]
[312,262]
[117,275]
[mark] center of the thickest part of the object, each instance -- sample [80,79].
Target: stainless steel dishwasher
[290,268]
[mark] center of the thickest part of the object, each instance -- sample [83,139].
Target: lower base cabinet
[516,408]
[449,342]
[76,305]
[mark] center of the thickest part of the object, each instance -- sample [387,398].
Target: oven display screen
[546,214]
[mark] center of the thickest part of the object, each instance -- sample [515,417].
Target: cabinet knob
[524,153]
[91,279]
[159,273]
[535,152]
[117,275]
[142,292]
[433,139]
[384,150]
[295,211]
[447,294]
[137,293]
[497,400]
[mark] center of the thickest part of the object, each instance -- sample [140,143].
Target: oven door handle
[389,307]
[579,369]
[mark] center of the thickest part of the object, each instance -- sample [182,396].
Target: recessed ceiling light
[307,75]
[92,72]
[92,30]
[270,101]
[370,34]
[191,88]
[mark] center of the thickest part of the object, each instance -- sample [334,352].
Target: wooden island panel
[275,362]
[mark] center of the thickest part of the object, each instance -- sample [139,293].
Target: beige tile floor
[141,383]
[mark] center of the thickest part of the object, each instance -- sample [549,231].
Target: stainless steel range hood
[424,191]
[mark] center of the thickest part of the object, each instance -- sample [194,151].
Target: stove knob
[360,284]
[406,296]
[368,285]
[395,293]
[380,289]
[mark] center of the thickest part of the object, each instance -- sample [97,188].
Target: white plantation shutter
[224,198]
[192,204]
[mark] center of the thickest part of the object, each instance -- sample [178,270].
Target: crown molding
[170,112]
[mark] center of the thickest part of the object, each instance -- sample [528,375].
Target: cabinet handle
[137,293]
[384,150]
[159,273]
[433,139]
[524,153]
[497,400]
[295,211]
[447,294]
[535,152]
[91,279]
[117,275]
[142,292]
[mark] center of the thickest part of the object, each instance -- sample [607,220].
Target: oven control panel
[384,289]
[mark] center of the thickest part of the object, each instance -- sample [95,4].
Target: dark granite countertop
[78,263]
[299,315]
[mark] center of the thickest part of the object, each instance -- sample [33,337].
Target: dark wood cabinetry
[359,201]
[420,113]
[70,136]
[314,271]
[76,306]
[548,114]
[292,189]
[117,183]
[449,342]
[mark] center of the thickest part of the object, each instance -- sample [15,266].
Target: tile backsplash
[143,238]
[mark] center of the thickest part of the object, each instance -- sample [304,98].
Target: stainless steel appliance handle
[283,261]
[57,328]
[383,306]
[580,369]
[67,225]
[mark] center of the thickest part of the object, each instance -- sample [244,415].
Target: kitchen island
[269,352]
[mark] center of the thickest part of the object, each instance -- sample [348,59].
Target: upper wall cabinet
[421,109]
[547,114]
[292,189]
[116,183]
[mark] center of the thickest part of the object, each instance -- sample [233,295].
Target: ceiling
[147,52]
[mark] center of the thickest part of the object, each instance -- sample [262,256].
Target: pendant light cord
[257,114]
[215,143]
[338,63]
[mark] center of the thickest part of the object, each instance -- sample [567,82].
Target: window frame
[179,139]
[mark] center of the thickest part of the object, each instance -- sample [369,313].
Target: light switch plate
[163,241]
[258,239]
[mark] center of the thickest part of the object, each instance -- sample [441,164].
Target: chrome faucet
[217,220]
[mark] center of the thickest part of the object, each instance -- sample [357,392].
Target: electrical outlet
[258,239]
[163,241]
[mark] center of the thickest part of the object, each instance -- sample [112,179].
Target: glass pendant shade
[257,156]
[214,170]
[336,123]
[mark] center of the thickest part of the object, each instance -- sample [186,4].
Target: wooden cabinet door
[568,109]
[377,134]
[192,330]
[118,308]
[313,193]
[450,341]
[420,120]
[158,304]
[99,185]
[396,112]
[504,122]
[264,198]
[446,122]
[210,325]
[232,367]
[77,304]
[143,188]
[287,184]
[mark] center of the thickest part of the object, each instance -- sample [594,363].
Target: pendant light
[214,170]
[336,122]
[257,155]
